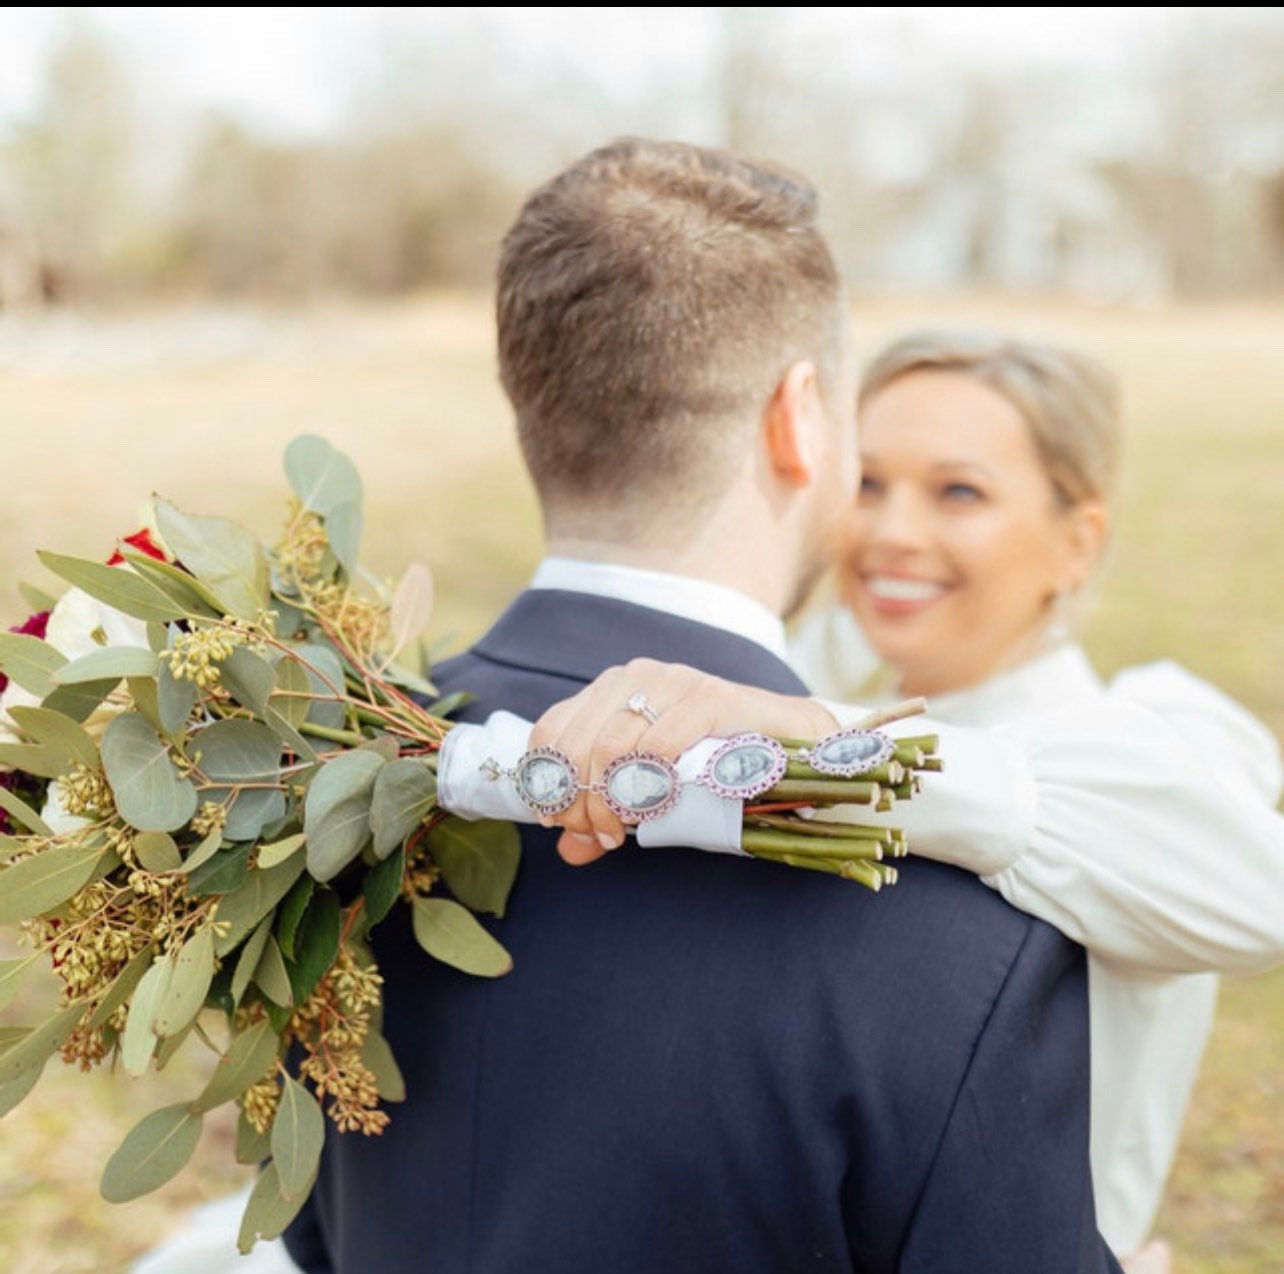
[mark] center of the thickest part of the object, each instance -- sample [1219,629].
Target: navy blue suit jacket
[702,1065]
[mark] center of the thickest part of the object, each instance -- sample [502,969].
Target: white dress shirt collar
[698,600]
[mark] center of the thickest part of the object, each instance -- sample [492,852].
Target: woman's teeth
[892,589]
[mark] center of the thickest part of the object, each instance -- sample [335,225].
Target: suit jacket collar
[580,635]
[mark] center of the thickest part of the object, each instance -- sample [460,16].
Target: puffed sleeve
[1139,822]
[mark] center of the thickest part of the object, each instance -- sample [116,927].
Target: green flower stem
[334,736]
[824,792]
[756,841]
[817,827]
[925,743]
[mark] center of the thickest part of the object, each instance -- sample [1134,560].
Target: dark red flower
[143,542]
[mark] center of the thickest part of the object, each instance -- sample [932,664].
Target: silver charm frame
[633,814]
[849,769]
[763,782]
[547,809]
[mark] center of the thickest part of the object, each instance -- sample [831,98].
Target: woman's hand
[1155,1258]
[596,726]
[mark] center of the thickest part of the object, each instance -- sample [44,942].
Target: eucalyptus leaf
[268,1211]
[324,670]
[292,681]
[405,794]
[376,1052]
[146,696]
[123,987]
[17,808]
[291,912]
[175,699]
[249,678]
[240,752]
[138,1039]
[248,958]
[35,1048]
[15,1091]
[223,555]
[252,1146]
[34,758]
[245,906]
[278,851]
[478,860]
[336,817]
[247,1060]
[298,1133]
[411,605]
[222,873]
[30,662]
[172,1045]
[447,704]
[382,886]
[116,586]
[209,846]
[150,794]
[316,944]
[321,477]
[453,935]
[189,985]
[47,879]
[35,597]
[57,731]
[79,702]
[155,1150]
[271,976]
[157,851]
[13,974]
[344,525]
[108,663]
[185,589]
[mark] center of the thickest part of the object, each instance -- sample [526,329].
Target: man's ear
[789,426]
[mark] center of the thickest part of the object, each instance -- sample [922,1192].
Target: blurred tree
[69,170]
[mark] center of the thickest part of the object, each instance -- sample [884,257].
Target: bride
[988,465]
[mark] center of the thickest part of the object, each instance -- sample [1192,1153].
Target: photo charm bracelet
[641,786]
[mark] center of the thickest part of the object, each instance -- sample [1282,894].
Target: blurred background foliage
[1151,175]
[186,283]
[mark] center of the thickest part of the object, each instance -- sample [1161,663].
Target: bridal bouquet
[218,773]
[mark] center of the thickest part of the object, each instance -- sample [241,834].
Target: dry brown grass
[410,393]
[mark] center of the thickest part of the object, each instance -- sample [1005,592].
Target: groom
[701,1064]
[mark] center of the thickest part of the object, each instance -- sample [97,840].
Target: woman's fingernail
[583,837]
[607,841]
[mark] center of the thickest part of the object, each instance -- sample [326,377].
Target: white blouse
[1138,819]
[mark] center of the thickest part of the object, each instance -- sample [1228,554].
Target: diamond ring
[640,704]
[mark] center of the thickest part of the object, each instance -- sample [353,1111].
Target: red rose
[143,542]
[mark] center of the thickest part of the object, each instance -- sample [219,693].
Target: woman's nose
[897,519]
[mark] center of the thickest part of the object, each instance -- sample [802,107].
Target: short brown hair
[1069,400]
[651,296]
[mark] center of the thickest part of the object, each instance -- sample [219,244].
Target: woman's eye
[962,493]
[869,486]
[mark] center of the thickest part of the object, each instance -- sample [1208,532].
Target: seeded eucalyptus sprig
[218,775]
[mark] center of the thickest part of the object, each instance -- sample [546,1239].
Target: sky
[292,71]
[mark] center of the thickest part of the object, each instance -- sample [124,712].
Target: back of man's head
[651,298]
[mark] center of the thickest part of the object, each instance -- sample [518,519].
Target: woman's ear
[789,426]
[1087,529]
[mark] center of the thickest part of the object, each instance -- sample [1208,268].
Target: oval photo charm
[546,781]
[640,786]
[744,767]
[851,752]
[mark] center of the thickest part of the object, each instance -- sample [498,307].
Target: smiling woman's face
[958,541]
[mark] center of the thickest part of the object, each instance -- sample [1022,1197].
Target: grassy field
[94,417]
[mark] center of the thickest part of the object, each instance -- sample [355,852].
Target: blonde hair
[1069,400]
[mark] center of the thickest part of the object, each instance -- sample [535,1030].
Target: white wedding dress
[1149,1029]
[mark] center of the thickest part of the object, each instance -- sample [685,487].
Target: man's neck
[737,572]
